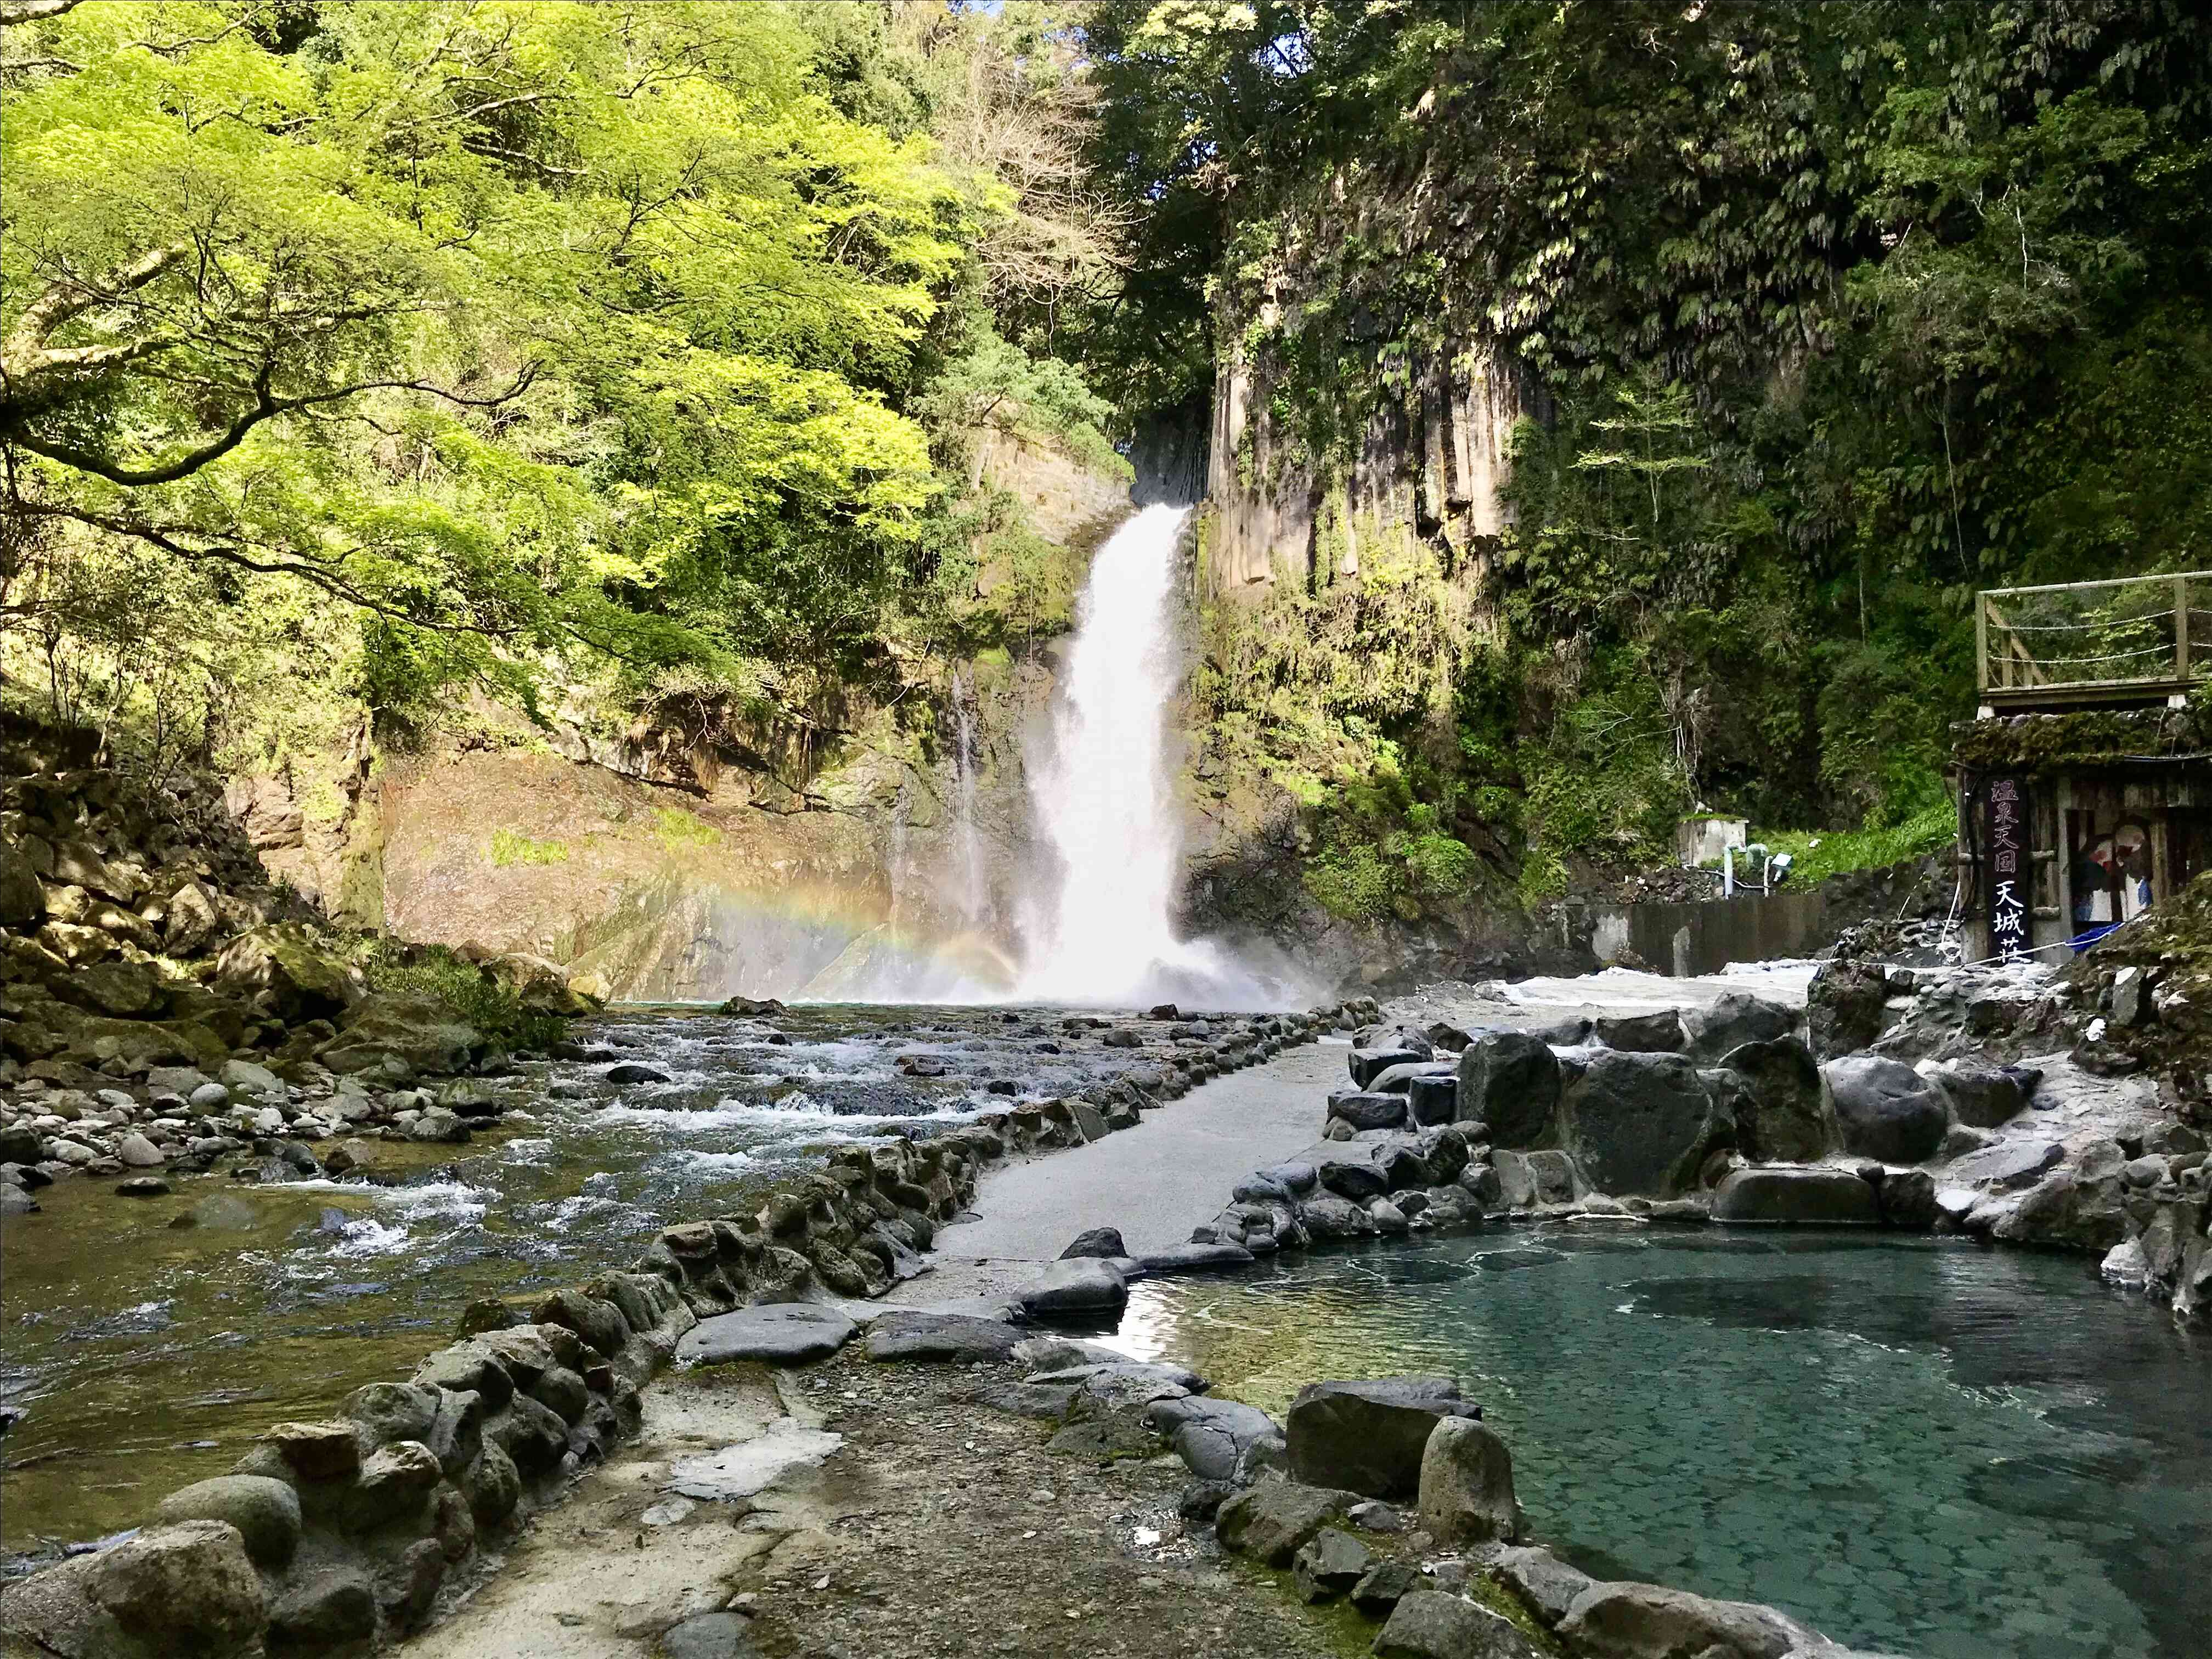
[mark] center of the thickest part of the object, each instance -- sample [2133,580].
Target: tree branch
[13,12]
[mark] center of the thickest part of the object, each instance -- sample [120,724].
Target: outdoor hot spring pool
[1919,1446]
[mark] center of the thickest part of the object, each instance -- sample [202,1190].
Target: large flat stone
[2006,1164]
[1079,1288]
[930,1336]
[1828,1197]
[779,1333]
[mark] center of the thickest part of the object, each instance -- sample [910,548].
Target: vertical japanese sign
[2006,858]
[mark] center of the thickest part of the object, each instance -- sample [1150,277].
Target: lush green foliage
[1826,316]
[491,1005]
[400,353]
[1814,858]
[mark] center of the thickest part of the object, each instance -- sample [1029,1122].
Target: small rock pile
[162,1005]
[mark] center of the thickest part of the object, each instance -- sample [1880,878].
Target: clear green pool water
[1915,1445]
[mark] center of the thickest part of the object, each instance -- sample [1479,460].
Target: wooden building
[2085,783]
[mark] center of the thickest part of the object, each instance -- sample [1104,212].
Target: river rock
[1210,1436]
[1645,1621]
[1430,1624]
[1642,1122]
[1272,1520]
[1883,1109]
[21,1143]
[1825,1197]
[1656,1033]
[929,1336]
[1353,1178]
[1907,1198]
[1735,1018]
[1778,1119]
[1077,1288]
[1367,1437]
[138,1152]
[1368,1109]
[1467,1484]
[1433,1098]
[266,1511]
[1982,1096]
[1194,1258]
[1510,1082]
[1329,1564]
[419,1033]
[1546,1585]
[1097,1242]
[1843,1007]
[779,1333]
[316,1451]
[1368,1064]
[325,1607]
[185,1590]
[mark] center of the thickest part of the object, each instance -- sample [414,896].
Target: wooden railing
[2137,639]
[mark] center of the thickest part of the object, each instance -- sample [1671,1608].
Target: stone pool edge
[338,1533]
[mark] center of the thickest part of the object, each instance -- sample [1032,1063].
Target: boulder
[1356,1179]
[1843,1007]
[1272,1520]
[325,1607]
[1368,1436]
[1546,1585]
[1883,1109]
[420,1033]
[637,1070]
[1368,1064]
[1210,1436]
[283,967]
[1079,1288]
[930,1337]
[2008,1163]
[1908,1200]
[1097,1242]
[1368,1109]
[1510,1082]
[266,1512]
[1329,1564]
[1467,1484]
[1656,1033]
[192,921]
[1735,1018]
[1645,1621]
[1982,1096]
[1825,1197]
[187,1590]
[1642,1123]
[1384,1585]
[1779,1118]
[1430,1624]
[1433,1098]
[778,1333]
[22,901]
[1194,1258]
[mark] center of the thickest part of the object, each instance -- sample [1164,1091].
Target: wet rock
[21,1143]
[1779,1119]
[1735,1018]
[1908,1200]
[1357,1179]
[937,1337]
[1272,1521]
[1822,1197]
[1509,1081]
[1656,1033]
[323,1608]
[143,1187]
[1884,1110]
[439,1127]
[1642,1122]
[779,1333]
[1465,1484]
[1075,1288]
[1327,1564]
[1433,1099]
[138,1152]
[1430,1624]
[265,1511]
[1367,1437]
[1196,1258]
[1097,1242]
[1645,1621]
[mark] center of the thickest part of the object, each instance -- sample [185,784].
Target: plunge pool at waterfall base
[1916,1445]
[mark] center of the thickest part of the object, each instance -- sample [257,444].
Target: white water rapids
[1101,927]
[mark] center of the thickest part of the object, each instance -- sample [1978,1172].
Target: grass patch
[508,847]
[1814,855]
[681,832]
[474,997]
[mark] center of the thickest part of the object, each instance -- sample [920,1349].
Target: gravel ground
[942,1529]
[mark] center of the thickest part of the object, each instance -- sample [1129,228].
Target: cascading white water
[1102,930]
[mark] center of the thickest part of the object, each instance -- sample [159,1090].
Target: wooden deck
[2138,640]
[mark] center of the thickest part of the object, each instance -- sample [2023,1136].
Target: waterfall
[1102,926]
[975,899]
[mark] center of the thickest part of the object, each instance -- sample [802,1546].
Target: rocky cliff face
[1428,464]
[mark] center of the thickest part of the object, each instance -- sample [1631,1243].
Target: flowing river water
[147,1341]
